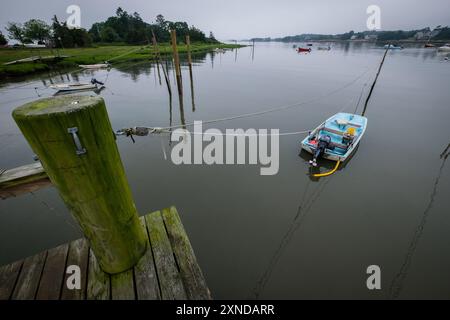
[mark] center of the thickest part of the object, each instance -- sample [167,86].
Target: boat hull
[94,66]
[74,87]
[335,130]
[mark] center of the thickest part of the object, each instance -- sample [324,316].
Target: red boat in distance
[303,49]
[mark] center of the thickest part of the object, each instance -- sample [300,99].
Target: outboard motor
[95,81]
[323,143]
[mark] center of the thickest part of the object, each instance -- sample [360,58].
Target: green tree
[36,30]
[196,34]
[107,34]
[444,34]
[211,38]
[65,37]
[15,31]
[96,30]
[3,40]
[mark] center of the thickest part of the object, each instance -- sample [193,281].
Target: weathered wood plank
[24,188]
[21,175]
[53,274]
[146,281]
[99,283]
[193,280]
[79,256]
[169,278]
[29,277]
[122,286]
[8,277]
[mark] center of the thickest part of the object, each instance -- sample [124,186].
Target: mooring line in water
[375,80]
[398,281]
[302,211]
[281,108]
[145,131]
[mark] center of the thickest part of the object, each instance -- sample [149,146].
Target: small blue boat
[340,135]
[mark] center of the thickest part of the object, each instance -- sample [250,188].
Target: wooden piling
[176,60]
[157,55]
[188,45]
[73,138]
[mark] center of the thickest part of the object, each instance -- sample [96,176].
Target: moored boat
[429,45]
[299,49]
[94,66]
[68,87]
[336,138]
[445,48]
[324,48]
[392,46]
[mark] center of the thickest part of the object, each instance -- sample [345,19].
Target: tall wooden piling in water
[176,59]
[73,138]
[188,44]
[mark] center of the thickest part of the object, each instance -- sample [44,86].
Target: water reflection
[399,279]
[305,205]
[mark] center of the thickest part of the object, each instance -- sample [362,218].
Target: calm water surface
[281,236]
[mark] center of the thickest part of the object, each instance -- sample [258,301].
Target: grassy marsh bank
[113,53]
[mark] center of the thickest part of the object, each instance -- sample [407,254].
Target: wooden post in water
[73,138]
[176,60]
[156,54]
[188,44]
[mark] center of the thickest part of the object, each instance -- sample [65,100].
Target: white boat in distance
[66,87]
[445,48]
[94,66]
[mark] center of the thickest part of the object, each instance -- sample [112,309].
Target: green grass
[113,53]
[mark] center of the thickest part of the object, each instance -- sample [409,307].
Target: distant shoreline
[355,41]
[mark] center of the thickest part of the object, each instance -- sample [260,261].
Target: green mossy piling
[93,185]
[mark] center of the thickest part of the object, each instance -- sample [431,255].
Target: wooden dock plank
[29,277]
[146,280]
[193,280]
[24,179]
[79,256]
[8,277]
[99,282]
[22,174]
[53,274]
[168,270]
[169,278]
[122,286]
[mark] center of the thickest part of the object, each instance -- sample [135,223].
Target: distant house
[34,45]
[436,31]
[354,37]
[423,34]
[371,37]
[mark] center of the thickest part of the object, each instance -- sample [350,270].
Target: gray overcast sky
[230,19]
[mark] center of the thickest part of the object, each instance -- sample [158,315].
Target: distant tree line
[132,29]
[437,34]
[121,28]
